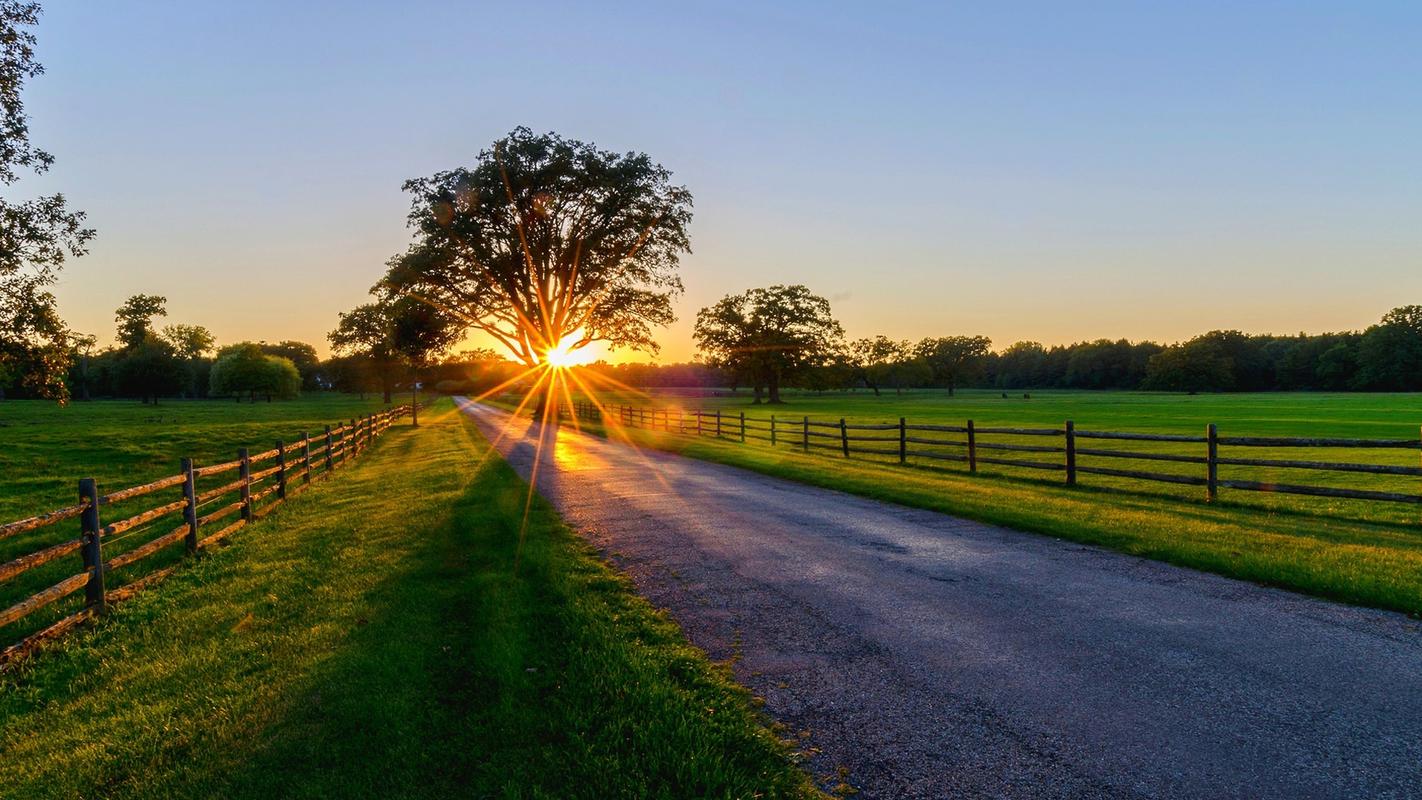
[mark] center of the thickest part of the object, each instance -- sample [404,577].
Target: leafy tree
[149,369]
[366,330]
[192,343]
[244,369]
[303,356]
[768,335]
[189,341]
[954,360]
[37,235]
[135,318]
[1199,365]
[418,332]
[877,361]
[1390,353]
[546,239]
[1022,365]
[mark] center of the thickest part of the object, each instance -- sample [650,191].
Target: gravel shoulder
[930,656]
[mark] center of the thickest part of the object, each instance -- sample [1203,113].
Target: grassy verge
[1366,562]
[374,638]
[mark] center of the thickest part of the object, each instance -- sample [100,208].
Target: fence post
[972,448]
[92,550]
[1070,453]
[348,451]
[246,477]
[718,423]
[698,423]
[305,457]
[743,427]
[281,470]
[329,463]
[190,509]
[843,437]
[772,430]
[681,421]
[1212,463]
[903,441]
[807,434]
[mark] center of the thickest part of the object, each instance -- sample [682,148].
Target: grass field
[1359,552]
[375,638]
[47,449]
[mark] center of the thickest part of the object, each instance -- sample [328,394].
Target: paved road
[937,657]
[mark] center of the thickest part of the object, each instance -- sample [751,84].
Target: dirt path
[931,656]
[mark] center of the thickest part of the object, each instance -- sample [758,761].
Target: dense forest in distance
[1386,357]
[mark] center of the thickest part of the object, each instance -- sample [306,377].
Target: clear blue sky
[1046,171]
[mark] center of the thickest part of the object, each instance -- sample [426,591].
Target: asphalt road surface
[930,656]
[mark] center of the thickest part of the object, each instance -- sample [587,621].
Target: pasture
[374,638]
[45,449]
[1358,551]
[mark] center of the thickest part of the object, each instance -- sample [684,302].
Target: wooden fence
[236,502]
[1061,449]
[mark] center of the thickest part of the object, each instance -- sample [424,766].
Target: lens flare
[565,354]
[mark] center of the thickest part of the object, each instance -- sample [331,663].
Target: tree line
[764,339]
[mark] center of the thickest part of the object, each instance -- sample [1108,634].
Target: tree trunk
[774,389]
[758,393]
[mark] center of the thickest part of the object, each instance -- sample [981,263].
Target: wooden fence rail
[904,441]
[257,492]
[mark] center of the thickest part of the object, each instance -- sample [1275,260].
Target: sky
[1045,171]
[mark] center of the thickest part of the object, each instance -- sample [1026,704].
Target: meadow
[1362,552]
[374,637]
[45,448]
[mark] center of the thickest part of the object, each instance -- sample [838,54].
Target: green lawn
[125,443]
[1359,552]
[47,449]
[375,638]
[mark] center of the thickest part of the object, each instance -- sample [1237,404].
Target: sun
[563,355]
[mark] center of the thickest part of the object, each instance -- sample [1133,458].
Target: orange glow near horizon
[566,354]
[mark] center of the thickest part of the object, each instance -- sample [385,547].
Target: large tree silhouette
[768,336]
[548,242]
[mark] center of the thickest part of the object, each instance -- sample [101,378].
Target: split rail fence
[1061,449]
[249,487]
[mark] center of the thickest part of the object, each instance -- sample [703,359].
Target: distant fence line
[905,441]
[287,477]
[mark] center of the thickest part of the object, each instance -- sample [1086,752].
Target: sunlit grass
[373,639]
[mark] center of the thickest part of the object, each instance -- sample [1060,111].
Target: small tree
[366,331]
[768,335]
[244,369]
[878,361]
[419,332]
[954,360]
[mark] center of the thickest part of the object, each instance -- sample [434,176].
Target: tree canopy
[545,239]
[135,317]
[768,336]
[954,360]
[367,331]
[36,235]
[245,369]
